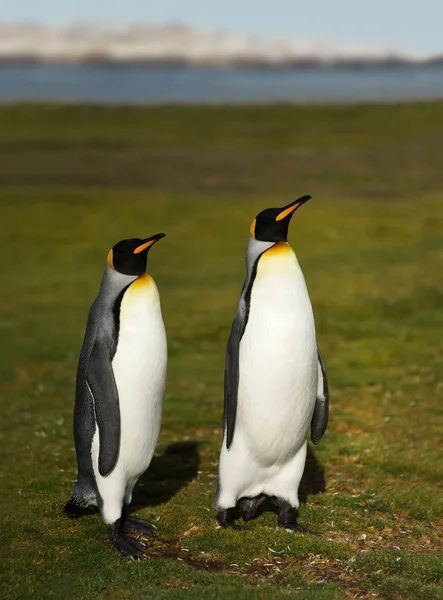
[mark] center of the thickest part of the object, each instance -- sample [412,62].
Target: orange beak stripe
[144,246]
[287,212]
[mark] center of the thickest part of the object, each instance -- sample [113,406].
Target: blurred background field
[76,179]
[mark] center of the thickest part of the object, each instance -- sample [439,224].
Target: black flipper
[321,411]
[233,354]
[232,375]
[101,382]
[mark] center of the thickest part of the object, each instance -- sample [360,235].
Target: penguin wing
[232,372]
[101,382]
[321,411]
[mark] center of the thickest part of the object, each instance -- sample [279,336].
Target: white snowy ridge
[184,45]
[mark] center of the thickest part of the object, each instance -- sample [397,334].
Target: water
[136,84]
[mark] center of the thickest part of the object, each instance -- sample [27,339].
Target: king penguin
[120,390]
[275,380]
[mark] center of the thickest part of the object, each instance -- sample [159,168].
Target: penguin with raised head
[275,380]
[120,390]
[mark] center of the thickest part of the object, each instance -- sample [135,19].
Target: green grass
[373,151]
[73,181]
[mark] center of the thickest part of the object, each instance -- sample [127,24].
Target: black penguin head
[271,225]
[130,256]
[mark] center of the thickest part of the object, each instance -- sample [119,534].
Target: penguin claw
[129,547]
[139,525]
[294,526]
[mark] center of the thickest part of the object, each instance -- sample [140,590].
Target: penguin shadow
[313,481]
[167,475]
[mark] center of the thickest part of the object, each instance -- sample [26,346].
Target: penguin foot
[73,510]
[294,526]
[123,543]
[128,546]
[139,525]
[287,518]
[226,518]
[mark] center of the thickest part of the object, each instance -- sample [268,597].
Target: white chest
[278,357]
[139,367]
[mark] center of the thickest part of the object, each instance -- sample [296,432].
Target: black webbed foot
[294,526]
[128,546]
[123,543]
[138,525]
[226,518]
[287,518]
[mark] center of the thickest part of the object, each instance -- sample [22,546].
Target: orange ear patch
[110,259]
[252,228]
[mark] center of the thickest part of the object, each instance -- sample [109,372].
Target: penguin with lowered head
[120,390]
[275,380]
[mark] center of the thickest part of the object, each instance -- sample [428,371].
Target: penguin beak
[289,210]
[148,242]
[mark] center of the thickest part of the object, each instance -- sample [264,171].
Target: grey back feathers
[97,395]
[254,250]
[253,253]
[102,318]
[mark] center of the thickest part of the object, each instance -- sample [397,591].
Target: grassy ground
[73,181]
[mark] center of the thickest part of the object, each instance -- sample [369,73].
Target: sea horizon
[136,83]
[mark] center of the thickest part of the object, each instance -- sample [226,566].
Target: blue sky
[409,24]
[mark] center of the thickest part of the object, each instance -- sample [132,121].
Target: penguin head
[129,257]
[271,225]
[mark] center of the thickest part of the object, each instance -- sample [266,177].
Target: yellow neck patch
[142,281]
[280,248]
[279,259]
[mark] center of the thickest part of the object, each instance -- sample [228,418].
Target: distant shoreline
[184,46]
[307,63]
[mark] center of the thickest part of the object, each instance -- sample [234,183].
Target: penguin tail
[75,508]
[249,507]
